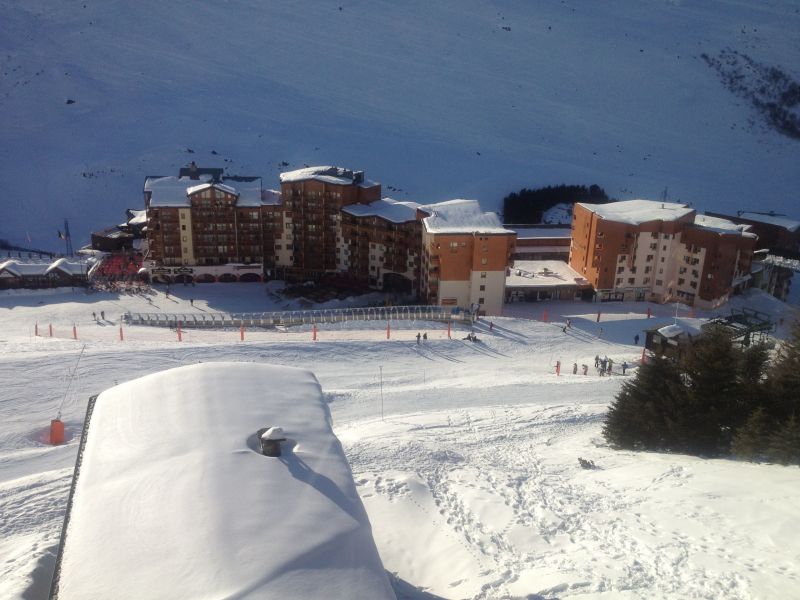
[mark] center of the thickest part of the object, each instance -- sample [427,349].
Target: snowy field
[464,454]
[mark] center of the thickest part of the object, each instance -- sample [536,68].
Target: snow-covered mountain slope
[473,98]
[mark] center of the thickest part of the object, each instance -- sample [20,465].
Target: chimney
[358,177]
[193,171]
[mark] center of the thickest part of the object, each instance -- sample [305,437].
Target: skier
[491,325]
[610,365]
[418,337]
[585,369]
[624,367]
[103,315]
[596,361]
[574,368]
[94,316]
[191,301]
[636,339]
[569,324]
[425,337]
[564,329]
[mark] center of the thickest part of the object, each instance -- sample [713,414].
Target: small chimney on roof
[193,171]
[358,177]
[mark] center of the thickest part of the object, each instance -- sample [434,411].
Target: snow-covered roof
[19,269]
[271,197]
[670,331]
[779,220]
[139,217]
[723,226]
[175,191]
[327,174]
[536,233]
[173,498]
[70,268]
[394,211]
[461,216]
[636,212]
[543,273]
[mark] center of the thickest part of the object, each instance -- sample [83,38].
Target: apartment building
[311,242]
[659,251]
[465,256]
[202,223]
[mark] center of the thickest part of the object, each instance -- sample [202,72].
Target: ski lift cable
[69,382]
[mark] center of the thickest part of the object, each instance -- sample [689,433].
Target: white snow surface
[464,454]
[636,212]
[441,99]
[395,211]
[461,216]
[173,499]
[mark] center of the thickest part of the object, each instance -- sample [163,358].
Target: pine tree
[638,416]
[750,440]
[784,378]
[784,444]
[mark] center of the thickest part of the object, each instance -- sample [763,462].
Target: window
[648,269]
[480,301]
[483,274]
[619,281]
[681,281]
[650,258]
[620,269]
[659,282]
[631,280]
[653,246]
[621,258]
[484,261]
[483,288]
[693,284]
[646,281]
[183,227]
[184,238]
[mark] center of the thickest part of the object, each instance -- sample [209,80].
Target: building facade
[325,222]
[659,251]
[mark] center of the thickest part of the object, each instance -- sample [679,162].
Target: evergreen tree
[638,416]
[784,378]
[784,444]
[750,441]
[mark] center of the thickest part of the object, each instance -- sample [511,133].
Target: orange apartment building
[465,256]
[659,251]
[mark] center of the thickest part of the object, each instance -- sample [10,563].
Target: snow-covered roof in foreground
[172,501]
[326,174]
[32,269]
[720,225]
[636,212]
[461,216]
[781,221]
[174,191]
[394,211]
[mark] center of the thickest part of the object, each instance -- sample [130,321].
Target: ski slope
[467,99]
[464,454]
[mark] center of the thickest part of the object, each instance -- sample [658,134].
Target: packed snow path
[471,480]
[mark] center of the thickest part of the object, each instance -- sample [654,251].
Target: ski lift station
[174,497]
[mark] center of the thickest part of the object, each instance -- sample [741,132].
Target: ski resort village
[411,300]
[248,392]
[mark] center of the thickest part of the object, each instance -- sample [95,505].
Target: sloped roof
[175,191]
[779,220]
[327,174]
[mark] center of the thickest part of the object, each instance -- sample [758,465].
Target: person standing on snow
[574,368]
[636,339]
[624,367]
[596,360]
[418,337]
[585,369]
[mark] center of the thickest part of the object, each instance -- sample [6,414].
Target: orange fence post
[36,330]
[74,332]
[449,325]
[180,335]
[241,333]
[388,330]
[314,333]
[544,316]
[644,356]
[649,312]
[558,367]
[121,337]
[51,330]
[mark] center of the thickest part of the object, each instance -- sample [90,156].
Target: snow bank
[173,500]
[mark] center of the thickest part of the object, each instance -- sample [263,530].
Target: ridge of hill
[436,101]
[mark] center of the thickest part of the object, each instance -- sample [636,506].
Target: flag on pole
[61,235]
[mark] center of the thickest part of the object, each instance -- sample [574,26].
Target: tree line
[718,399]
[527,206]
